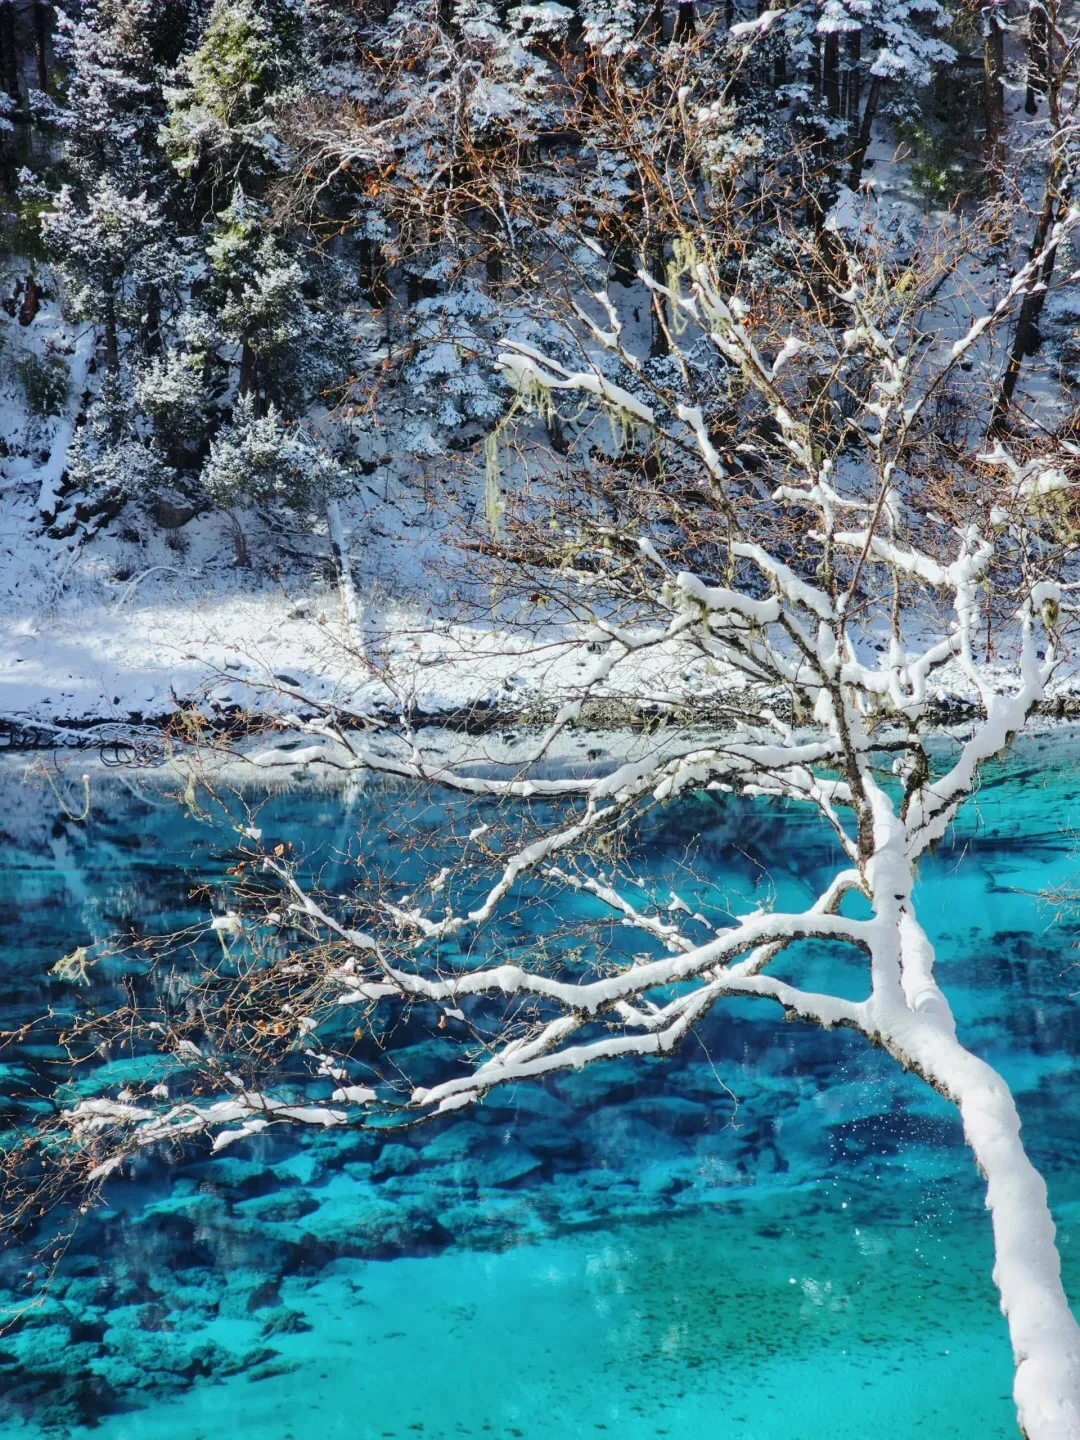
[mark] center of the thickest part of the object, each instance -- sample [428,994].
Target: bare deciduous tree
[761,509]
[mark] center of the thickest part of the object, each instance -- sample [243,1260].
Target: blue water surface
[775,1235]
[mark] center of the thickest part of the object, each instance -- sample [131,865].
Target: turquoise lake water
[623,1252]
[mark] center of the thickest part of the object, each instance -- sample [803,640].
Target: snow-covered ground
[136,631]
[128,625]
[134,622]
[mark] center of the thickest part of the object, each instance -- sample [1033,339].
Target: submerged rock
[283,1321]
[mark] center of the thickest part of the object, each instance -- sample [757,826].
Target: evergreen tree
[220,130]
[259,458]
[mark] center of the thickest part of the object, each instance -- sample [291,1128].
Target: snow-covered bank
[181,641]
[173,638]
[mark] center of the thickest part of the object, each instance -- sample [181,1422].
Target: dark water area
[773,1235]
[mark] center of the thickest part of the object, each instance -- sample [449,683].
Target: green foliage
[26,237]
[215,126]
[170,390]
[946,160]
[266,302]
[44,380]
[231,69]
[259,458]
[102,464]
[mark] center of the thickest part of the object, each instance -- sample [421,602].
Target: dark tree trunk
[493,266]
[112,336]
[1025,337]
[151,323]
[853,78]
[862,144]
[590,75]
[41,45]
[624,267]
[658,271]
[365,265]
[31,302]
[556,433]
[685,22]
[246,380]
[993,72]
[1038,55]
[373,272]
[830,72]
[9,56]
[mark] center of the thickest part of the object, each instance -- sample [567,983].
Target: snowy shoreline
[163,651]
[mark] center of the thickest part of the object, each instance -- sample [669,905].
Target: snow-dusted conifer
[258,458]
[220,128]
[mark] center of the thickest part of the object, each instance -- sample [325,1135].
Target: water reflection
[623,1249]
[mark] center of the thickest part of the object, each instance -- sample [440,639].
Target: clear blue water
[623,1252]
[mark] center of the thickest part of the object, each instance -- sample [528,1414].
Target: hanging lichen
[535,397]
[625,427]
[684,257]
[494,502]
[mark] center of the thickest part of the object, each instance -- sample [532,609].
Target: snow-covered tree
[257,458]
[110,247]
[220,131]
[287,347]
[780,547]
[110,228]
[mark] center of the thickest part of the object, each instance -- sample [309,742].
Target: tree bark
[339,546]
[830,72]
[853,78]
[658,270]
[41,45]
[685,22]
[112,337]
[1027,1268]
[1038,55]
[31,301]
[993,73]
[1025,336]
[858,158]
[151,324]
[9,55]
[246,380]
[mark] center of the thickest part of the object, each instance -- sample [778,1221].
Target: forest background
[260,262]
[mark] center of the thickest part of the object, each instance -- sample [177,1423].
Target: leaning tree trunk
[1038,54]
[1055,205]
[921,1034]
